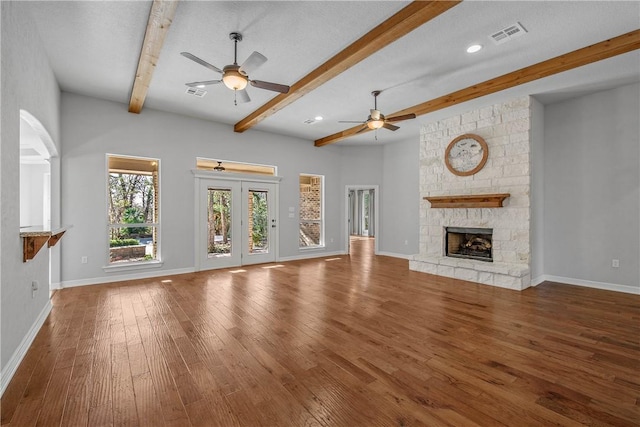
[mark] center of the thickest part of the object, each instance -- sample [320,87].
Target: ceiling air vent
[509,33]
[196,92]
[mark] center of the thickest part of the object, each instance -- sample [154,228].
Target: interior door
[237,223]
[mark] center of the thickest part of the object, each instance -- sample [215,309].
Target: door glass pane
[258,222]
[219,222]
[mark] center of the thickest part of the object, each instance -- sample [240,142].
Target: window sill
[144,265]
[311,248]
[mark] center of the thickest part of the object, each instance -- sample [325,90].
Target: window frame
[139,264]
[321,243]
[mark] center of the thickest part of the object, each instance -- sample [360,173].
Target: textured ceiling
[94,47]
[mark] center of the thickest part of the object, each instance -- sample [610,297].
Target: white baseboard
[311,255]
[588,284]
[21,351]
[537,280]
[124,277]
[395,255]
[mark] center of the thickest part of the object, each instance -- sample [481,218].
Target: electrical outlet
[83,260]
[615,263]
[34,288]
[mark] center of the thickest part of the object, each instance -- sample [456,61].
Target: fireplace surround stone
[506,129]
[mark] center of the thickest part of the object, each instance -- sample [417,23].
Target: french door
[236,223]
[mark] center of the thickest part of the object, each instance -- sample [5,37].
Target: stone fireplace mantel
[468,201]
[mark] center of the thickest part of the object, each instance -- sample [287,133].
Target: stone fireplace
[506,129]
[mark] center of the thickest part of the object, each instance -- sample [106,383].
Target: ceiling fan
[236,77]
[377,120]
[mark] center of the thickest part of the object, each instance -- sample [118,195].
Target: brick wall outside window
[310,210]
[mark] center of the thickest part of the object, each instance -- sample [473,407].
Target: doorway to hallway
[361,215]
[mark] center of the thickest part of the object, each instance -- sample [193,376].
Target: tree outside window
[133,200]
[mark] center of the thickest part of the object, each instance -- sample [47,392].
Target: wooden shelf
[34,238]
[468,201]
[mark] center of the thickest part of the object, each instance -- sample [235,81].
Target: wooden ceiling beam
[400,24]
[160,18]
[606,49]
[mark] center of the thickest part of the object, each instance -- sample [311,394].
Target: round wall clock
[466,155]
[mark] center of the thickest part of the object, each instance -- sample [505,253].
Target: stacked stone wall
[506,129]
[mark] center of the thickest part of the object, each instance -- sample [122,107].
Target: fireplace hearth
[470,243]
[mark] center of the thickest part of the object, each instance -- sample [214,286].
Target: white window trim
[322,243]
[133,265]
[110,267]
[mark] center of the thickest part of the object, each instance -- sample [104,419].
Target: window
[133,200]
[311,211]
[228,166]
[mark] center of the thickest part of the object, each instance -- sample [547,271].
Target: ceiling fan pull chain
[235,98]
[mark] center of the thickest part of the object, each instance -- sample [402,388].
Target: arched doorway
[36,151]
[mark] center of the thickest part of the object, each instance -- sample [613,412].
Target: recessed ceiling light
[318,118]
[474,48]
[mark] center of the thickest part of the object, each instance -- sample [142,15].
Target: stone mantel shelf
[468,201]
[35,237]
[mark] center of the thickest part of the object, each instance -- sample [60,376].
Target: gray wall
[400,203]
[94,127]
[592,187]
[27,83]
[536,154]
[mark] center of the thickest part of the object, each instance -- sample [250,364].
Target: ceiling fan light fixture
[234,80]
[375,124]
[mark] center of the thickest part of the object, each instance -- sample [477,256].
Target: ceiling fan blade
[243,95]
[390,126]
[255,60]
[400,118]
[201,62]
[351,121]
[270,86]
[365,127]
[375,114]
[205,83]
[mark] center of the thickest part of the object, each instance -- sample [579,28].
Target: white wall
[592,189]
[400,198]
[27,83]
[32,193]
[94,127]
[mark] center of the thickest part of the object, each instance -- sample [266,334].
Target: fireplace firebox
[470,243]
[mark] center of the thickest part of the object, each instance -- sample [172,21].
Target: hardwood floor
[345,341]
